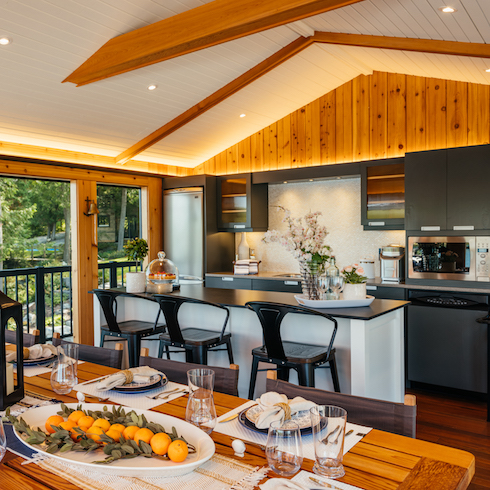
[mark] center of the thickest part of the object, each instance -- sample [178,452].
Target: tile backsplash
[339,200]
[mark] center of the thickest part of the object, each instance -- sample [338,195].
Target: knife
[231,417]
[96,380]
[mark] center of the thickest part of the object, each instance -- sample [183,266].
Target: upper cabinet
[383,194]
[242,206]
[446,189]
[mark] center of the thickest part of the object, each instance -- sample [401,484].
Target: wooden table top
[381,461]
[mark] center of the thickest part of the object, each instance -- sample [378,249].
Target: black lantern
[11,392]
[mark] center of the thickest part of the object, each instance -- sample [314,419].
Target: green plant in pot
[137,250]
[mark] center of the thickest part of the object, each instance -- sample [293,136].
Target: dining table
[379,461]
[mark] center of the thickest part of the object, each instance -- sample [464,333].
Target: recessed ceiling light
[311,180]
[285,182]
[152,87]
[447,10]
[4,41]
[488,70]
[242,115]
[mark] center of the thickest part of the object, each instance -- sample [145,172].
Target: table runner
[30,371]
[235,429]
[134,400]
[219,473]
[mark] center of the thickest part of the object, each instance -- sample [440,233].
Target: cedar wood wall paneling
[383,115]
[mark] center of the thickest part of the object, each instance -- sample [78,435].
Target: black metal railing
[46,294]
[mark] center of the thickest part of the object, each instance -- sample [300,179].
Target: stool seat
[300,353]
[198,336]
[136,327]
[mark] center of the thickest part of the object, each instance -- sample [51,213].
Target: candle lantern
[11,392]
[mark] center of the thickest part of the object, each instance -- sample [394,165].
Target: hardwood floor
[456,422]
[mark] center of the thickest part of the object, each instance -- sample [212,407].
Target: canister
[368,265]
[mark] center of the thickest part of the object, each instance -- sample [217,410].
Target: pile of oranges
[161,443]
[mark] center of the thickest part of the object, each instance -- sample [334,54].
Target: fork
[171,394]
[154,397]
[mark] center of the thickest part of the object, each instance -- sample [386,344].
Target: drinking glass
[3,440]
[200,406]
[284,450]
[336,283]
[63,376]
[71,352]
[328,424]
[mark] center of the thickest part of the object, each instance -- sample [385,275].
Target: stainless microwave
[460,258]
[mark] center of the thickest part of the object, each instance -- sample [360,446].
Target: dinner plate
[333,303]
[248,417]
[156,381]
[39,360]
[205,448]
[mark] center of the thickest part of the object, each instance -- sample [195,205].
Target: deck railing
[46,294]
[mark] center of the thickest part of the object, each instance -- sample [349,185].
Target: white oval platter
[333,303]
[205,448]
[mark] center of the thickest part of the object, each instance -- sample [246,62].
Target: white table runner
[134,400]
[235,429]
[30,371]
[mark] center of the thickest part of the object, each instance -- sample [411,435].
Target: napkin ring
[129,376]
[286,408]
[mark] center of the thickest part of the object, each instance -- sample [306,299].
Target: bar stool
[131,330]
[303,358]
[196,342]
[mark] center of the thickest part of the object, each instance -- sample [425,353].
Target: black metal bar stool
[196,342]
[304,358]
[131,330]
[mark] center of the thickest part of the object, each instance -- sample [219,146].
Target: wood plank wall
[382,115]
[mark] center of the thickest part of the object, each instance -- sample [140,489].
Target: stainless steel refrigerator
[183,231]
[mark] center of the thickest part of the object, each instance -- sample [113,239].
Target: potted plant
[137,250]
[354,282]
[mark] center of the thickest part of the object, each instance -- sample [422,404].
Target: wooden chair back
[29,339]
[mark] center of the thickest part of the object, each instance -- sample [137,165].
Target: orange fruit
[85,422]
[159,443]
[75,416]
[102,423]
[130,431]
[143,435]
[68,425]
[114,433]
[94,433]
[53,420]
[178,451]
[119,427]
[76,436]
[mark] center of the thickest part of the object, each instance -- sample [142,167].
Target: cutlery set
[168,394]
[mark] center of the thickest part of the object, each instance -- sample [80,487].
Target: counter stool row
[197,342]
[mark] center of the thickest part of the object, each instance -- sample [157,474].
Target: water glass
[71,352]
[328,424]
[3,440]
[63,377]
[200,410]
[284,450]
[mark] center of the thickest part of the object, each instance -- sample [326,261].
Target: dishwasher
[446,346]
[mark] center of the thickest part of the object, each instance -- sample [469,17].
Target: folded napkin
[281,484]
[139,375]
[37,351]
[277,407]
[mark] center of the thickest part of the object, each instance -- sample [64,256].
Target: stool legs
[334,373]
[306,375]
[253,378]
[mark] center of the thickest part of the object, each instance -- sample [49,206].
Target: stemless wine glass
[336,283]
[3,440]
[200,410]
[63,377]
[284,450]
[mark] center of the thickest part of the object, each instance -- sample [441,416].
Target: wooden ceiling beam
[208,25]
[405,44]
[223,93]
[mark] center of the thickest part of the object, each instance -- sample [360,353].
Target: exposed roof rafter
[208,25]
[223,93]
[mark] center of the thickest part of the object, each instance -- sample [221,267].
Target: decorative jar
[161,275]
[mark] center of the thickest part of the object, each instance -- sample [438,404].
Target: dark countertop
[443,286]
[238,298]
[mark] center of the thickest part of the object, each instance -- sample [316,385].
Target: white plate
[333,303]
[205,448]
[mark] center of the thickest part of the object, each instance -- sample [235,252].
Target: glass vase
[310,279]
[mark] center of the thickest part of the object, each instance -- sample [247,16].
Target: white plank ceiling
[51,38]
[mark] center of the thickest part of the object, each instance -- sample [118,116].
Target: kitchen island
[369,343]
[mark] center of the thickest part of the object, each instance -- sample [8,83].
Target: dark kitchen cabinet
[242,206]
[287,286]
[425,190]
[383,195]
[228,282]
[468,176]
